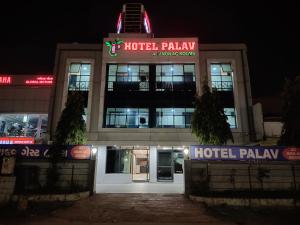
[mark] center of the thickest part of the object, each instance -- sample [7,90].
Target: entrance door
[140,165]
[164,166]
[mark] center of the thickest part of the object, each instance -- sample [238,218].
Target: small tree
[70,130]
[209,123]
[290,134]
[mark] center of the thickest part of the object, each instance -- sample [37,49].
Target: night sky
[30,31]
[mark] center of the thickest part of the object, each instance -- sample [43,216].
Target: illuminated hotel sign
[156,46]
[5,80]
[40,80]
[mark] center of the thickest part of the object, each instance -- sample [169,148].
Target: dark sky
[30,31]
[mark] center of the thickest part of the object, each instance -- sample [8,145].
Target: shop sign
[242,153]
[42,151]
[5,80]
[16,140]
[157,48]
[40,80]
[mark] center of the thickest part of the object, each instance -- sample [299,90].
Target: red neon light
[40,80]
[5,80]
[16,140]
[119,23]
[163,46]
[147,23]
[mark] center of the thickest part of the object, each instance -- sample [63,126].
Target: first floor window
[231,117]
[127,117]
[174,117]
[118,161]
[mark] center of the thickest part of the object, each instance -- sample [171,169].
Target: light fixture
[94,151]
[186,151]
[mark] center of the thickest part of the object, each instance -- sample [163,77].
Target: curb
[247,202]
[52,198]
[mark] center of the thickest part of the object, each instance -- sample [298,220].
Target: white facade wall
[151,137]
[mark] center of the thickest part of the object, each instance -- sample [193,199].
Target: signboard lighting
[5,80]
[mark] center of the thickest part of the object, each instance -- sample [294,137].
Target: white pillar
[153,164]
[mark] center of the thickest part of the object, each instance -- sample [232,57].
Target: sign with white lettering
[42,151]
[151,47]
[242,153]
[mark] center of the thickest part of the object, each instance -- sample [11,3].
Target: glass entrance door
[140,165]
[164,166]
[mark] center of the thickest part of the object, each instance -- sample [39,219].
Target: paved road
[131,209]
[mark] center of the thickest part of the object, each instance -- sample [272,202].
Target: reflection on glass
[26,125]
[174,117]
[118,161]
[127,117]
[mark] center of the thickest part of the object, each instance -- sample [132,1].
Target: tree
[290,134]
[71,128]
[209,123]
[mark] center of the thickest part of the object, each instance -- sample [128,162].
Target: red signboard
[163,46]
[40,80]
[81,152]
[5,80]
[16,140]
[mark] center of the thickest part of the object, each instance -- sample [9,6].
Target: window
[79,80]
[221,77]
[175,77]
[231,117]
[127,117]
[128,77]
[178,159]
[164,165]
[79,76]
[118,161]
[174,117]
[23,125]
[169,161]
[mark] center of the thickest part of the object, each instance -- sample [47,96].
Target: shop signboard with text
[116,48]
[243,153]
[42,151]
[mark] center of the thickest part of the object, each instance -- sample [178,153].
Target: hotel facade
[139,92]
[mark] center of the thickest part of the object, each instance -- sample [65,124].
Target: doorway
[140,165]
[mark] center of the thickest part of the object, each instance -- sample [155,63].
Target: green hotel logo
[113,47]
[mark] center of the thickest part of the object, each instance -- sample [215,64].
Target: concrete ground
[131,209]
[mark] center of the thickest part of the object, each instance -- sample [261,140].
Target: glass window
[178,158]
[221,77]
[169,161]
[164,165]
[127,117]
[175,77]
[79,76]
[128,77]
[118,161]
[112,70]
[23,125]
[231,117]
[174,117]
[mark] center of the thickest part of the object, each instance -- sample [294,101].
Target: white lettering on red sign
[40,80]
[164,46]
[5,80]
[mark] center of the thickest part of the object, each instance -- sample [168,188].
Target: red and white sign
[40,80]
[5,80]
[292,153]
[81,152]
[16,140]
[162,46]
